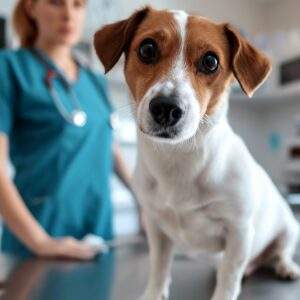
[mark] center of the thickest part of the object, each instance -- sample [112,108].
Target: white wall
[6,6]
[243,13]
[256,123]
[278,15]
[281,15]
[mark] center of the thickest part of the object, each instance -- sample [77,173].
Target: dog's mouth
[170,133]
[162,133]
[165,135]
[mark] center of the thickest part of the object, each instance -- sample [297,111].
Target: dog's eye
[148,51]
[208,63]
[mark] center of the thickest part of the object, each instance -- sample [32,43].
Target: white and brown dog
[197,183]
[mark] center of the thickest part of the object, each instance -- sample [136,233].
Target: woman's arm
[21,222]
[12,207]
[122,171]
[121,168]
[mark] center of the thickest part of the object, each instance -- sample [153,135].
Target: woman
[62,160]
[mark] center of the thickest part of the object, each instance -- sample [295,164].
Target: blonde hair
[25,27]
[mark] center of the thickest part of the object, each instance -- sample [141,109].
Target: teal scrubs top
[62,171]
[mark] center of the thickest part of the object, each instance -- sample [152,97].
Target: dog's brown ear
[250,66]
[111,40]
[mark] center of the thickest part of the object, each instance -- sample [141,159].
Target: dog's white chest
[189,226]
[178,199]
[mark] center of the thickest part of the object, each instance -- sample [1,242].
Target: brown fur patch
[114,39]
[249,65]
[160,26]
[203,36]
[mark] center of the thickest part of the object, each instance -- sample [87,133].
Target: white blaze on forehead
[181,18]
[177,77]
[178,74]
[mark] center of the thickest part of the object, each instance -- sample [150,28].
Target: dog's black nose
[165,111]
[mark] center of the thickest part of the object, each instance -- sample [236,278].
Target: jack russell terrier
[198,185]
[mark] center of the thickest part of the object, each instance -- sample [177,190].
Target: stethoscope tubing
[55,97]
[51,73]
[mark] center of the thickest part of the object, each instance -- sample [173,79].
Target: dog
[198,185]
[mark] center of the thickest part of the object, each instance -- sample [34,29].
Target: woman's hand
[66,247]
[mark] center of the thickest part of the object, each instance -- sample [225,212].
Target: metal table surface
[122,275]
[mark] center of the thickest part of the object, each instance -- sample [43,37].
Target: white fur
[205,192]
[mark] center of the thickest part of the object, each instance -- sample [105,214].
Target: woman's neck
[61,56]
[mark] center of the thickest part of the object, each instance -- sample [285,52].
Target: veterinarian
[55,127]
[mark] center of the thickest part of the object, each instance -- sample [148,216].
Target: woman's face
[59,21]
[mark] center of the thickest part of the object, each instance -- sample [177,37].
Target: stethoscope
[77,116]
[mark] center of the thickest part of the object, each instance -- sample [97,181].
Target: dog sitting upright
[198,185]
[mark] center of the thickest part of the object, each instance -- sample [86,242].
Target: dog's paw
[226,294]
[215,297]
[151,296]
[166,291]
[287,270]
[218,296]
[222,297]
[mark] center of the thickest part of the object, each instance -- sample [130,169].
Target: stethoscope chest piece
[79,117]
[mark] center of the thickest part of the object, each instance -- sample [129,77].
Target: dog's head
[179,67]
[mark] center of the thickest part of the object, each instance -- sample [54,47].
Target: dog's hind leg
[282,262]
[279,254]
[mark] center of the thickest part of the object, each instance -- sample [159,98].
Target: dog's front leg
[160,262]
[236,256]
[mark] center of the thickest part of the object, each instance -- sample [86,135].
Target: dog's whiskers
[127,110]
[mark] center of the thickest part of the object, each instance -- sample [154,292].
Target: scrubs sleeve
[7,94]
